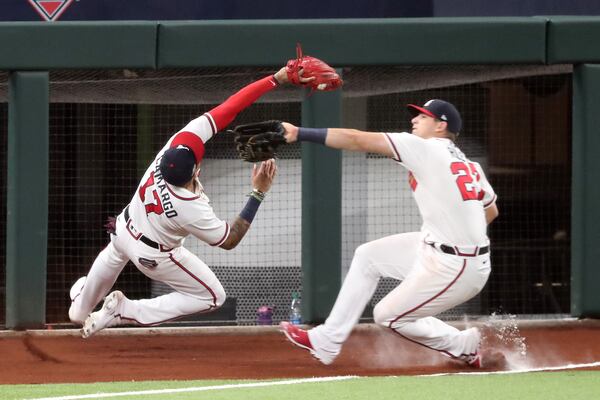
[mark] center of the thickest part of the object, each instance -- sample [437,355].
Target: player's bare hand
[281,76]
[291,132]
[263,175]
[304,80]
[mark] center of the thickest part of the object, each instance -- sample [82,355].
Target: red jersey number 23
[467,179]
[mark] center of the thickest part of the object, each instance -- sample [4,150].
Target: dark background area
[89,10]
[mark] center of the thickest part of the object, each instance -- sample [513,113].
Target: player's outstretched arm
[262,179]
[224,113]
[340,138]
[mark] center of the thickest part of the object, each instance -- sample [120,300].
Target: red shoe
[297,336]
[474,361]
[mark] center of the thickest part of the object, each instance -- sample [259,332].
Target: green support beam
[585,214]
[321,210]
[27,200]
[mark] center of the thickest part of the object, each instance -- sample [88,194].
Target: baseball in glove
[259,141]
[325,76]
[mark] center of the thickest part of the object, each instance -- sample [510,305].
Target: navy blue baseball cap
[177,165]
[439,109]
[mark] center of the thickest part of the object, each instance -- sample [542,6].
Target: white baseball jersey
[451,191]
[167,213]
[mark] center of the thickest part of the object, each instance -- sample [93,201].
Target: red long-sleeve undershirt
[224,113]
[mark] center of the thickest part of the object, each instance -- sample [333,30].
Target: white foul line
[199,389]
[520,371]
[308,380]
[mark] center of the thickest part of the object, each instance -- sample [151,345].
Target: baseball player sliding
[443,265]
[168,205]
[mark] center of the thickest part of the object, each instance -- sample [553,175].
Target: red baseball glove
[325,77]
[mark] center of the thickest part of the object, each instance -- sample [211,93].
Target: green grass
[583,385]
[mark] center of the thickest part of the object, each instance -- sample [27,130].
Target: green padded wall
[573,40]
[43,45]
[344,42]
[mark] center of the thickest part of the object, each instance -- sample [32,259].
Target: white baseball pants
[432,282]
[197,289]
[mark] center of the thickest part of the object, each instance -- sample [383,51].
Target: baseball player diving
[442,266]
[168,205]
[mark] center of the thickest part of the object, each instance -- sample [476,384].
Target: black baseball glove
[259,141]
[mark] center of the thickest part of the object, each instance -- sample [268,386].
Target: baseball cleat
[299,337]
[105,317]
[474,361]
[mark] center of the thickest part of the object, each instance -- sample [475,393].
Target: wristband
[249,211]
[315,135]
[257,194]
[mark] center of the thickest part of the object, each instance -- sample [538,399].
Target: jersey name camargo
[166,213]
[451,191]
[164,198]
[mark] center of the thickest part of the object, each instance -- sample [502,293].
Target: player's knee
[383,316]
[361,259]
[76,315]
[379,315]
[361,252]
[220,296]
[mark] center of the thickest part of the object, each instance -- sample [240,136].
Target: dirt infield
[35,357]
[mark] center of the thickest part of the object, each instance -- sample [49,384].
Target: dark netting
[166,86]
[92,173]
[519,130]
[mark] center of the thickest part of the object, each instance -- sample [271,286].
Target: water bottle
[296,309]
[264,315]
